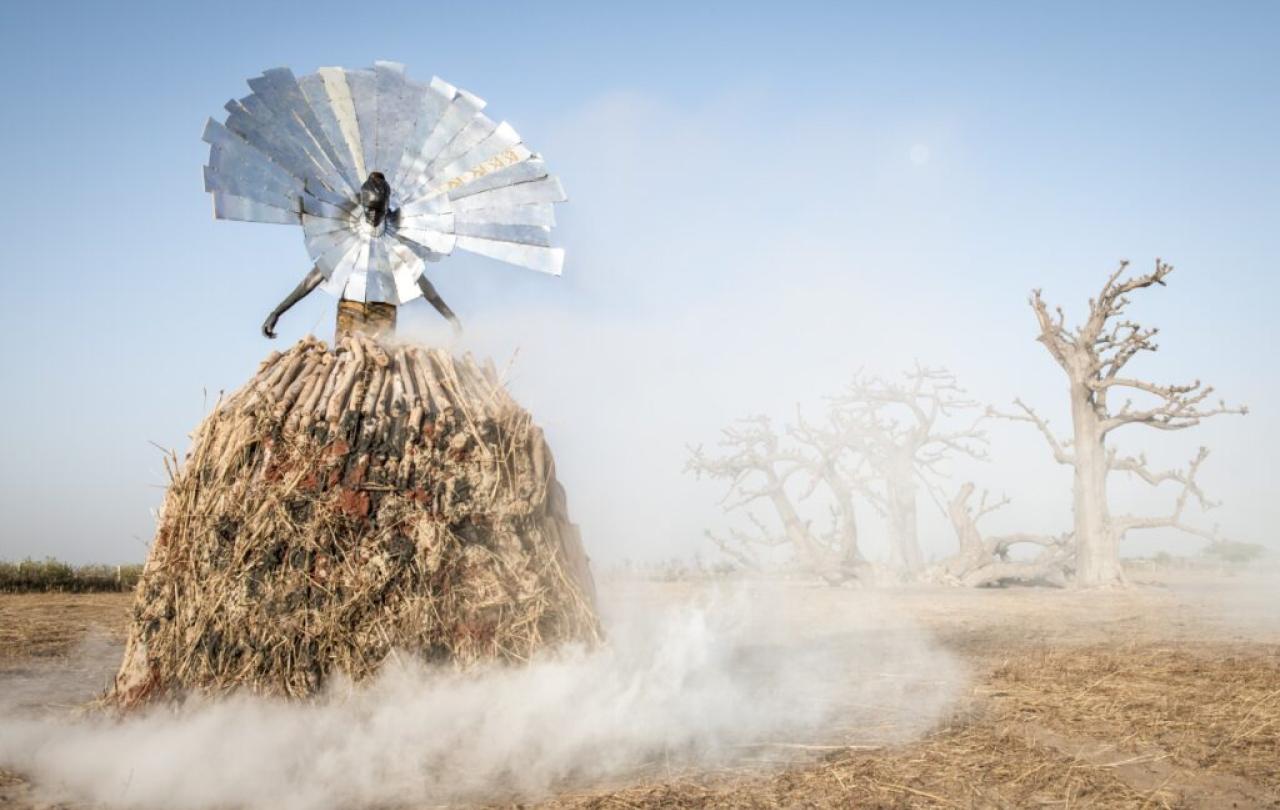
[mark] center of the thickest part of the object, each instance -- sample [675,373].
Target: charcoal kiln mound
[347,505]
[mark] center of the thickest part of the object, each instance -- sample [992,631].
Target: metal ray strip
[344,110]
[244,168]
[435,241]
[475,132]
[537,214]
[278,88]
[406,267]
[247,167]
[355,288]
[242,156]
[435,204]
[328,255]
[459,113]
[545,190]
[236,185]
[254,120]
[434,222]
[320,243]
[504,232]
[398,102]
[523,171]
[341,271]
[380,285]
[318,225]
[231,206]
[500,148]
[364,96]
[320,208]
[313,90]
[435,100]
[319,192]
[544,259]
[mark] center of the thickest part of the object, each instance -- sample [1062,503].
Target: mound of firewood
[347,505]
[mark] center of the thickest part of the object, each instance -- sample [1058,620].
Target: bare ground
[1163,695]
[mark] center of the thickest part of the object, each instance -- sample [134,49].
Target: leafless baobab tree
[1094,356]
[906,432]
[759,469]
[877,441]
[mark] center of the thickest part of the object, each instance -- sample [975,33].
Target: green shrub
[40,576]
[1232,551]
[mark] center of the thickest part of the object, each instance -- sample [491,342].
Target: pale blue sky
[764,198]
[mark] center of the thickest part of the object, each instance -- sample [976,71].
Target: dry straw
[347,504]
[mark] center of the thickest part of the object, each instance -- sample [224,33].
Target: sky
[764,199]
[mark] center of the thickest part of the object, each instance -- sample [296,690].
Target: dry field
[1164,695]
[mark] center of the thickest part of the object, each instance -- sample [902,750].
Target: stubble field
[1163,695]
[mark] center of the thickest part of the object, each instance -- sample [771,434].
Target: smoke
[702,682]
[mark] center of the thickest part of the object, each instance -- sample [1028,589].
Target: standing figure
[384,174]
[373,317]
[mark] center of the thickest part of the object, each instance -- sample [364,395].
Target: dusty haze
[715,677]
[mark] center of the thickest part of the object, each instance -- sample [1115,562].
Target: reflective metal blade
[459,113]
[399,102]
[280,90]
[544,259]
[434,222]
[539,214]
[313,89]
[344,110]
[431,106]
[229,206]
[364,95]
[342,268]
[477,130]
[523,234]
[538,191]
[435,241]
[514,171]
[236,183]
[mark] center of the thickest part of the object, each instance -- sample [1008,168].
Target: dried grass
[1215,708]
[1184,726]
[347,504]
[50,625]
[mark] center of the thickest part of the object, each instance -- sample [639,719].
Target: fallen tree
[982,560]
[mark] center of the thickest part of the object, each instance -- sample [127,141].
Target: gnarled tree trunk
[1098,549]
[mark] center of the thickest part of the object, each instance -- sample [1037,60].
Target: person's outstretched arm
[429,293]
[304,288]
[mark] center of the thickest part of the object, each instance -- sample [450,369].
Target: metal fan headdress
[384,173]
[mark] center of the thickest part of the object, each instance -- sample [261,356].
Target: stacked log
[347,504]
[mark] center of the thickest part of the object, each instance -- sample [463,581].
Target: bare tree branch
[757,467]
[1028,414]
[1174,520]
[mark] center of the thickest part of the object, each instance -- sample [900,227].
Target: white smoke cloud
[699,683]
